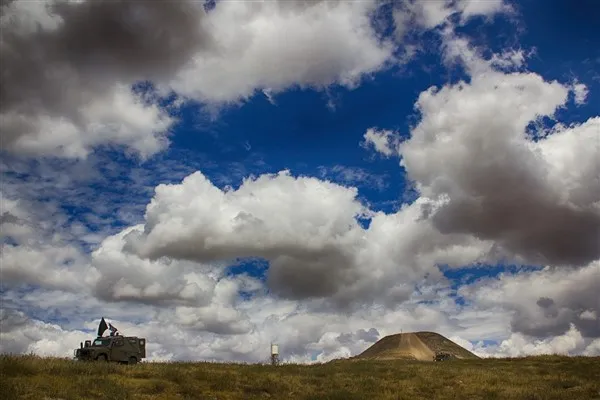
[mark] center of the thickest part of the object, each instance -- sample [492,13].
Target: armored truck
[442,357]
[122,349]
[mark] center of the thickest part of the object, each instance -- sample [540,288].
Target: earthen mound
[422,346]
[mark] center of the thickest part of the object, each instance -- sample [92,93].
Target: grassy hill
[420,346]
[535,378]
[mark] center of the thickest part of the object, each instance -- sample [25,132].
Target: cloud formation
[303,335]
[124,277]
[495,184]
[309,231]
[427,15]
[33,252]
[68,67]
[382,141]
[304,226]
[325,43]
[311,214]
[534,192]
[21,334]
[517,345]
[546,302]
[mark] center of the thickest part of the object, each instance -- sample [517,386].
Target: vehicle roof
[118,337]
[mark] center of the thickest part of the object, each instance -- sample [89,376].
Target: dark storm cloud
[8,218]
[11,320]
[545,302]
[53,68]
[4,3]
[370,336]
[132,38]
[577,301]
[321,274]
[525,222]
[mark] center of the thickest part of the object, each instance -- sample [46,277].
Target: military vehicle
[118,348]
[442,357]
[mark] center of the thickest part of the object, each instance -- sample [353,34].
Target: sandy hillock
[422,346]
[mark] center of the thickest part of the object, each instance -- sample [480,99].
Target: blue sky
[72,193]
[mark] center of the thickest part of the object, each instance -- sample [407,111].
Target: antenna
[274,354]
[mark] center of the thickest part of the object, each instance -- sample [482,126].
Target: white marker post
[274,354]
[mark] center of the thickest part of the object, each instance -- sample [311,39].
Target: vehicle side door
[118,352]
[134,348]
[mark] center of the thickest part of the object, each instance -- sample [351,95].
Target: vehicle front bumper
[83,354]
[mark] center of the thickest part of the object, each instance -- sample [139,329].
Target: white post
[274,354]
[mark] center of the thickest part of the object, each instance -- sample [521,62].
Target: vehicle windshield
[101,342]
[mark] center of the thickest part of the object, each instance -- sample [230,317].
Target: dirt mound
[422,346]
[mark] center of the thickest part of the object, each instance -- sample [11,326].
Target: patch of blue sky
[487,343]
[564,35]
[301,134]
[471,274]
[252,266]
[245,295]
[565,41]
[106,192]
[50,315]
[314,355]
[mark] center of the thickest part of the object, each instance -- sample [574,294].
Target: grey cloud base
[64,62]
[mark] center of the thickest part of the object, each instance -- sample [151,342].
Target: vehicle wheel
[132,360]
[102,357]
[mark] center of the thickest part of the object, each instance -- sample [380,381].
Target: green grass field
[545,377]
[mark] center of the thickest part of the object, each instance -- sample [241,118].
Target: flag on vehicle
[102,327]
[113,330]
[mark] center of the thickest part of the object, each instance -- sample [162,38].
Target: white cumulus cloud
[472,150]
[68,67]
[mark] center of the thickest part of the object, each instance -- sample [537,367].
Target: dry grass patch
[533,378]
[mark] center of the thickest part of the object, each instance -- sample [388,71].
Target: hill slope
[421,346]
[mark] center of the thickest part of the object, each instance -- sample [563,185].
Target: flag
[102,327]
[113,330]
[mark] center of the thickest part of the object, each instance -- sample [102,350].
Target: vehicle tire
[132,360]
[102,357]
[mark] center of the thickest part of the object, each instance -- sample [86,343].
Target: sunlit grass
[533,378]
